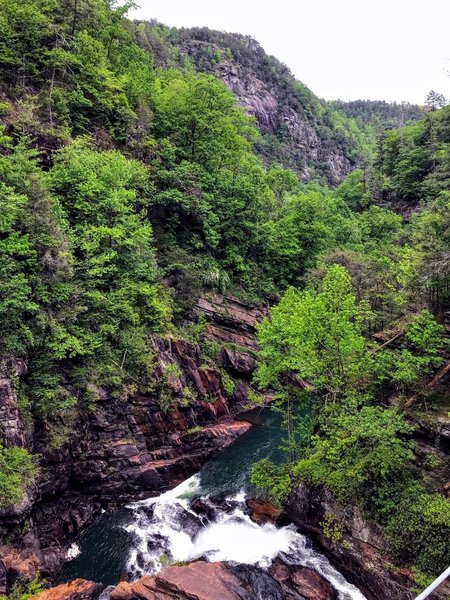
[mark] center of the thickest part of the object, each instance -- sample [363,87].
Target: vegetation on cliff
[321,337]
[299,131]
[17,470]
[130,181]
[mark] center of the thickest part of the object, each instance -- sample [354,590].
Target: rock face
[262,512]
[123,449]
[12,430]
[200,580]
[361,554]
[78,589]
[298,130]
[207,581]
[301,582]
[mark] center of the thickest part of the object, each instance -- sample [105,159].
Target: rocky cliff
[126,449]
[298,130]
[360,550]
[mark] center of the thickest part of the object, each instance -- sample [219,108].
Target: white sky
[348,49]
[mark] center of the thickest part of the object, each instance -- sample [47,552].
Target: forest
[131,181]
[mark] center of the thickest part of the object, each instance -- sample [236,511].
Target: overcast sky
[348,49]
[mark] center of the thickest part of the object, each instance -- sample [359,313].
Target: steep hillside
[298,130]
[378,113]
[142,238]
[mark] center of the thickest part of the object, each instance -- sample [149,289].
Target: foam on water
[73,551]
[166,529]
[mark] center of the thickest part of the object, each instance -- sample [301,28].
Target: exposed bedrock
[125,449]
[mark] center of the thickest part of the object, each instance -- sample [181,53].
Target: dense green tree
[317,336]
[357,452]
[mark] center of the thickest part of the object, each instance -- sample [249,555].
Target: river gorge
[207,518]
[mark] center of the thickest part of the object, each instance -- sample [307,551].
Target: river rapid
[205,517]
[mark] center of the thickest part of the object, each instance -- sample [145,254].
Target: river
[146,535]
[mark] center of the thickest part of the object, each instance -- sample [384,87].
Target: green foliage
[378,113]
[316,336]
[353,190]
[421,579]
[23,590]
[147,178]
[228,384]
[356,452]
[418,529]
[421,354]
[272,480]
[17,471]
[195,429]
[166,399]
[332,528]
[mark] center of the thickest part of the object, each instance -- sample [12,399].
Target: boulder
[261,512]
[302,581]
[78,589]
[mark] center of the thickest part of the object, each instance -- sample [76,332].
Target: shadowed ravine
[204,517]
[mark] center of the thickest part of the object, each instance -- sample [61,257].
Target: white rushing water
[166,529]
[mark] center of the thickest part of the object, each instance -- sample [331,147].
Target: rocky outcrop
[78,589]
[207,581]
[200,580]
[298,130]
[230,321]
[301,582]
[12,429]
[361,554]
[232,325]
[262,512]
[130,448]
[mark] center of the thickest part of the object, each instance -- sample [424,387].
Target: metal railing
[436,583]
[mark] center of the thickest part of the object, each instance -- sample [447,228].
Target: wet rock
[198,580]
[227,581]
[204,508]
[261,512]
[301,582]
[256,583]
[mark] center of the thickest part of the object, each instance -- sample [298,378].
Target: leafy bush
[356,452]
[418,529]
[17,471]
[271,479]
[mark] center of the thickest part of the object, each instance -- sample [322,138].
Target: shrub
[271,479]
[17,471]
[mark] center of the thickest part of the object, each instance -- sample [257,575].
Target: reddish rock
[230,320]
[198,580]
[261,512]
[15,563]
[127,448]
[302,581]
[78,589]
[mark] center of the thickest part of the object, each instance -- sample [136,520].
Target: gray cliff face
[298,130]
[12,429]
[305,151]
